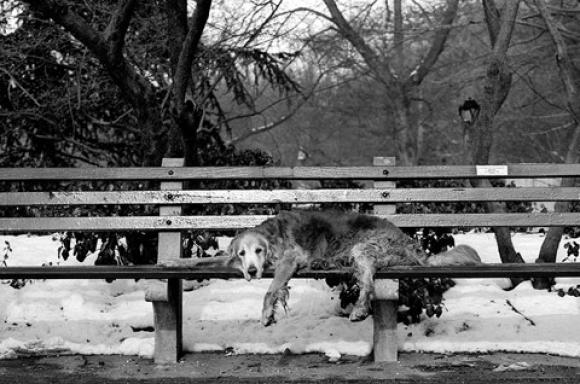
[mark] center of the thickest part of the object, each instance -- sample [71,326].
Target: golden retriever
[298,239]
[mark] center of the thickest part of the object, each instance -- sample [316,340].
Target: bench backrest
[170,195]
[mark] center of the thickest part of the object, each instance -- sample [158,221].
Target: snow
[95,317]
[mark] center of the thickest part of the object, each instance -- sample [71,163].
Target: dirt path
[278,369]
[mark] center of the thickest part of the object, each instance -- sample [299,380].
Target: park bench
[169,195]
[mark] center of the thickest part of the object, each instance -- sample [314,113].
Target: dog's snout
[252,270]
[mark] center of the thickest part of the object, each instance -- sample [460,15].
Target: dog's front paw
[268,317]
[281,298]
[359,313]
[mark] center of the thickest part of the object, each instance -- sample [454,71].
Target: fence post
[386,297]
[168,313]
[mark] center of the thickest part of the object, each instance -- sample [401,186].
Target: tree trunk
[403,130]
[398,38]
[480,135]
[187,115]
[152,144]
[570,76]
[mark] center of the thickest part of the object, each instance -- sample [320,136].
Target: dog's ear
[268,251]
[233,260]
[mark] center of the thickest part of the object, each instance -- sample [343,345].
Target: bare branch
[271,125]
[506,29]
[117,29]
[424,12]
[564,32]
[258,30]
[264,128]
[492,19]
[309,10]
[31,114]
[188,50]
[437,44]
[380,69]
[575,10]
[16,83]
[398,33]
[176,28]
[569,75]
[568,72]
[131,83]
[73,23]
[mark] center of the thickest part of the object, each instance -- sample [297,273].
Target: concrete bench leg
[168,324]
[385,307]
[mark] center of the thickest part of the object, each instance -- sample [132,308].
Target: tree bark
[404,130]
[187,114]
[398,37]
[496,88]
[570,76]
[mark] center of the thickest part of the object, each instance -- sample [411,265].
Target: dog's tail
[460,255]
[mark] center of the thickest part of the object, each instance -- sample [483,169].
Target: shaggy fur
[294,240]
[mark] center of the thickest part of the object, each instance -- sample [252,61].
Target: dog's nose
[252,270]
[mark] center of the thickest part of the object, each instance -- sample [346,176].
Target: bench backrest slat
[174,223]
[383,196]
[237,173]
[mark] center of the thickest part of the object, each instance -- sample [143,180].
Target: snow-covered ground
[95,317]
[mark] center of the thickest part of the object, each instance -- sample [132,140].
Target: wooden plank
[486,220]
[187,173]
[233,173]
[470,171]
[130,223]
[386,189]
[385,302]
[382,193]
[168,313]
[178,223]
[159,272]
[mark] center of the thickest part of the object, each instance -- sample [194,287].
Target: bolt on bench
[167,297]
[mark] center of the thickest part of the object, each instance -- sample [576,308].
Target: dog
[294,240]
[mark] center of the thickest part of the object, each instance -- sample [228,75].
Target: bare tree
[496,87]
[108,46]
[400,84]
[570,76]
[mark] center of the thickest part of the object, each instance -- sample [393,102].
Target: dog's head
[248,252]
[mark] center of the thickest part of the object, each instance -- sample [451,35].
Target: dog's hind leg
[364,270]
[278,290]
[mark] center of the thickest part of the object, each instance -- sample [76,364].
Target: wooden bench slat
[186,173]
[235,173]
[158,272]
[530,171]
[176,223]
[384,196]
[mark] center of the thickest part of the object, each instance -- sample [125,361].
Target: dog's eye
[242,253]
[258,250]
